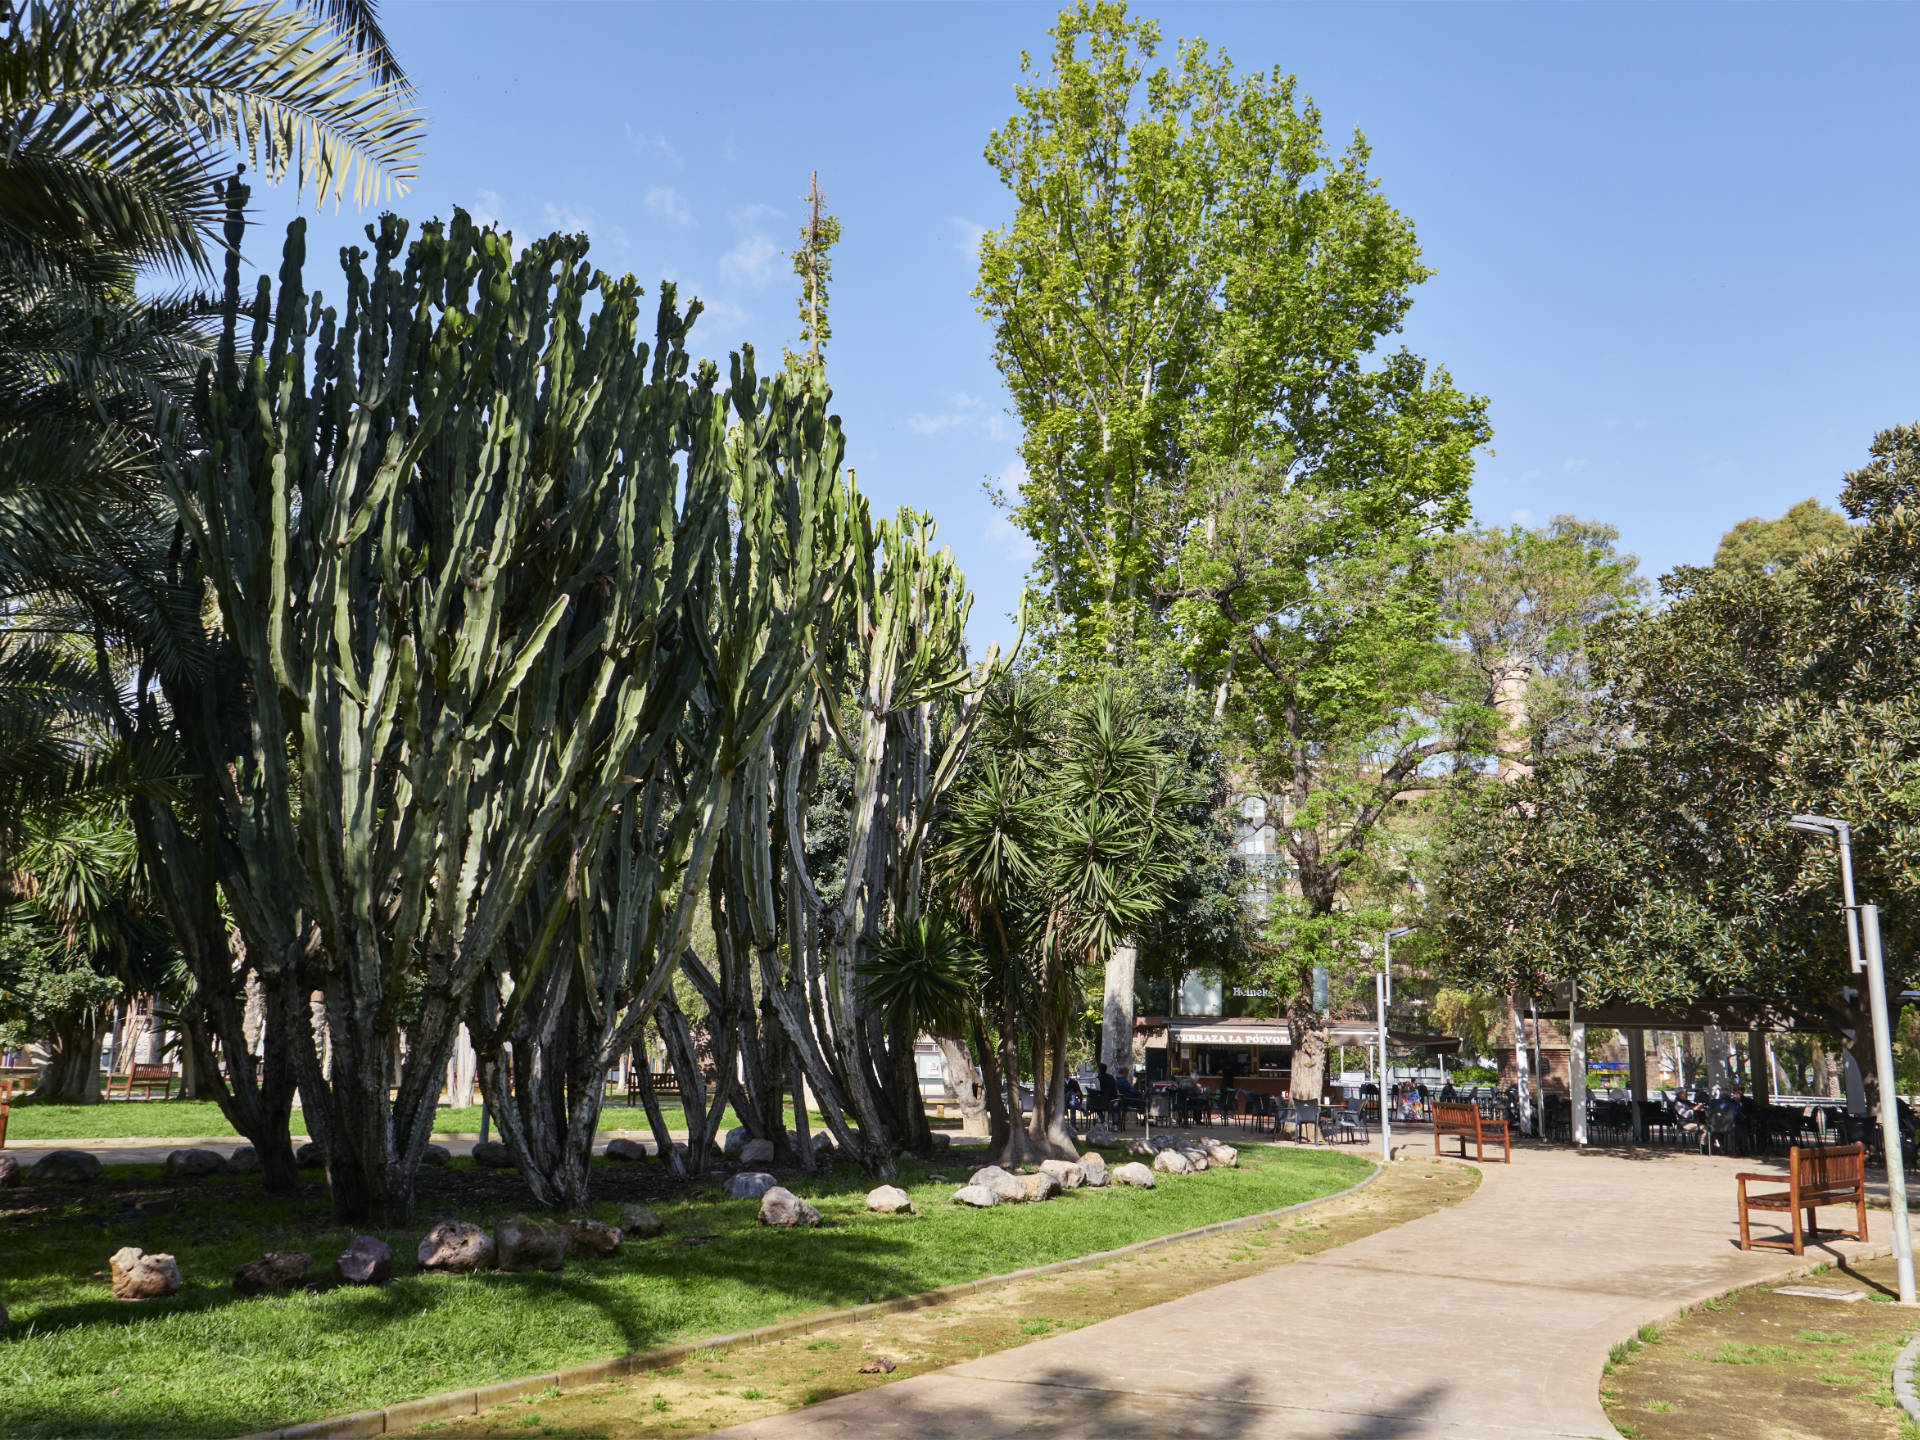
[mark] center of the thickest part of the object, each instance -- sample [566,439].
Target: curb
[405,1414]
[1903,1379]
[1799,1272]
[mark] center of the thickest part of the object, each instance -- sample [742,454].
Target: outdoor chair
[1348,1122]
[1307,1113]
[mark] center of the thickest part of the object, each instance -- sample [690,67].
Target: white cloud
[654,146]
[1013,543]
[1571,466]
[964,412]
[667,201]
[486,208]
[752,262]
[567,220]
[724,315]
[1529,474]
[1523,517]
[968,235]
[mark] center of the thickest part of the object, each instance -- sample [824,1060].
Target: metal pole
[1386,1122]
[1889,1114]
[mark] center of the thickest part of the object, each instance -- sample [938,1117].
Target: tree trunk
[1309,1034]
[1116,1036]
[71,1073]
[963,1076]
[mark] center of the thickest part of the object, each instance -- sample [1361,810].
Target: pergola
[1731,1013]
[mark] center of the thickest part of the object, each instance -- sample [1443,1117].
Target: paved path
[1487,1321]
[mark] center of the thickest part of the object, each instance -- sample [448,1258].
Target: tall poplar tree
[1188,306]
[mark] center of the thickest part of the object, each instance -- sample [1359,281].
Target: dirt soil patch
[730,1388]
[1762,1365]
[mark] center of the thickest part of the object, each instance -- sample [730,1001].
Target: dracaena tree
[1064,839]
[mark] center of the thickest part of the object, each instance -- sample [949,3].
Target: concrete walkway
[1487,1321]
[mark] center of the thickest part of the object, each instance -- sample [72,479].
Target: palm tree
[1060,845]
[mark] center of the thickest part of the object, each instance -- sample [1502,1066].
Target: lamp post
[1863,949]
[1383,992]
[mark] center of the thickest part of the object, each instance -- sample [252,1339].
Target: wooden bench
[1818,1175]
[146,1077]
[1463,1119]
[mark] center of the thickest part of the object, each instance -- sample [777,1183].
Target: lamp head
[1817,825]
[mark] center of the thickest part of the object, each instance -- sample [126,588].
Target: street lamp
[1863,949]
[1383,994]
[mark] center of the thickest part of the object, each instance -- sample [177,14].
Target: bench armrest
[1773,1179]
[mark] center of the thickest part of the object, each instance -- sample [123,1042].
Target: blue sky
[1675,245]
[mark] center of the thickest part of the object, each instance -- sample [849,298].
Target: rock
[735,1143]
[9,1172]
[624,1151]
[1003,1185]
[1172,1162]
[276,1270]
[1196,1159]
[365,1261]
[978,1196]
[780,1206]
[186,1163]
[878,1365]
[67,1167]
[751,1184]
[524,1243]
[942,1140]
[140,1276]
[493,1155]
[1134,1173]
[1041,1186]
[1068,1172]
[436,1155]
[1163,1142]
[1099,1134]
[307,1157]
[1224,1156]
[592,1237]
[1137,1146]
[1093,1165]
[890,1200]
[640,1223]
[243,1160]
[757,1152]
[457,1247]
[936,1179]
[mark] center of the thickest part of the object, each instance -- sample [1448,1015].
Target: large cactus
[446,529]
[622,901]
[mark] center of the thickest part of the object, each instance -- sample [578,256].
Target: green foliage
[1757,547]
[1191,274]
[921,978]
[1660,868]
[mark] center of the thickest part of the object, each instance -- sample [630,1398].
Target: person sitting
[1109,1104]
[1447,1092]
[1127,1097]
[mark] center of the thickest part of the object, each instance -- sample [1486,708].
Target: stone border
[392,1419]
[1903,1378]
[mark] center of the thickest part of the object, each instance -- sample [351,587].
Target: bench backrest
[1450,1116]
[1829,1167]
[152,1072]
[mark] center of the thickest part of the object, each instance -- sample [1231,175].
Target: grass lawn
[1762,1365]
[209,1362]
[165,1119]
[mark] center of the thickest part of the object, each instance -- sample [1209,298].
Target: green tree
[1191,272]
[1659,868]
[1062,842]
[1760,547]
